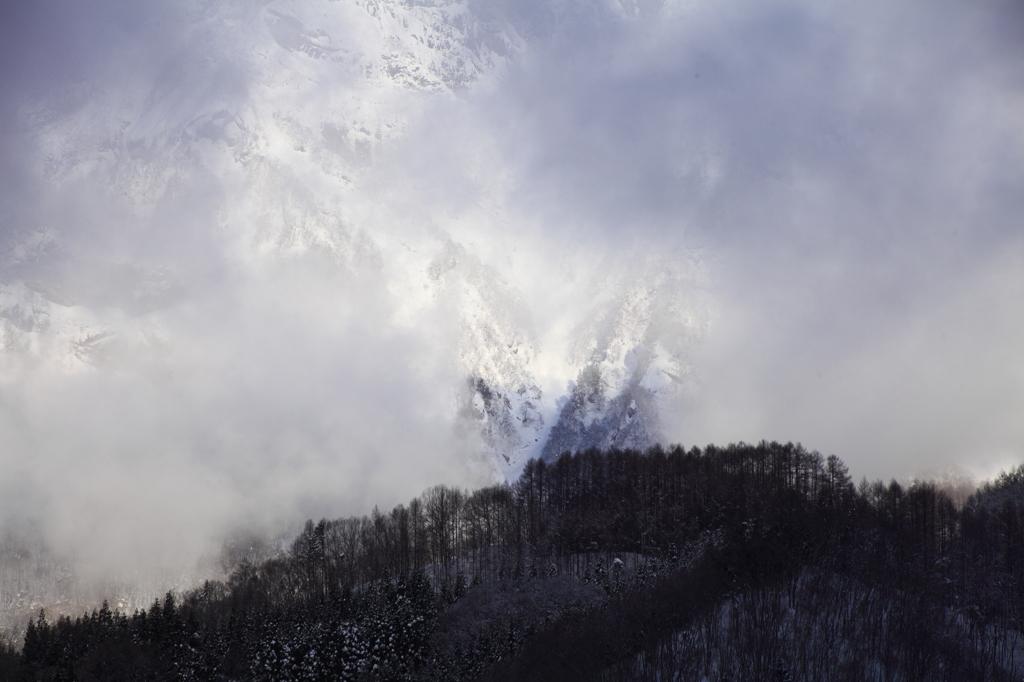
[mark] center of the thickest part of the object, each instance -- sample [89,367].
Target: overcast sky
[843,182]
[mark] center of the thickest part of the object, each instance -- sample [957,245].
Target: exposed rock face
[632,350]
[261,146]
[506,419]
[591,419]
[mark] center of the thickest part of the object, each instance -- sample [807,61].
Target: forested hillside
[750,562]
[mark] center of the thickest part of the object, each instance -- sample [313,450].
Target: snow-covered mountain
[632,355]
[269,142]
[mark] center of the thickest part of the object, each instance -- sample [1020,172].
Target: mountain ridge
[267,138]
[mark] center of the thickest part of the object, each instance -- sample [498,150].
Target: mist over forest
[761,562]
[292,260]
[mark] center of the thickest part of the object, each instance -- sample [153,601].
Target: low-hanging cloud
[853,171]
[220,222]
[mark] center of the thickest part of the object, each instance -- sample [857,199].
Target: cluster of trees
[561,514]
[380,634]
[829,626]
[745,562]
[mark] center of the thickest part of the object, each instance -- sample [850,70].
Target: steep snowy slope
[257,152]
[632,358]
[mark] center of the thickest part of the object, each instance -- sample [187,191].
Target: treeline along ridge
[744,562]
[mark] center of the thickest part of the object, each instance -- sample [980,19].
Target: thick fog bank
[266,262]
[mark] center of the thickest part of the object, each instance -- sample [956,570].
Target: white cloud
[234,222]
